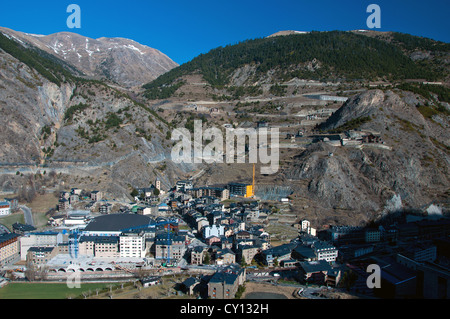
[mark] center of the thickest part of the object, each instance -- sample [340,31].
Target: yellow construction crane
[250,189]
[253,183]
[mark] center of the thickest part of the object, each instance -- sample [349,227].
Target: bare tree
[30,272]
[43,273]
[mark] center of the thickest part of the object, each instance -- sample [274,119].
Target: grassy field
[9,220]
[40,205]
[46,290]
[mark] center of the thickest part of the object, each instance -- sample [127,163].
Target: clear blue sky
[182,29]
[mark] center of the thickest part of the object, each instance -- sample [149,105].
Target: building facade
[224,284]
[38,256]
[99,246]
[5,208]
[239,189]
[39,239]
[132,244]
[325,251]
[9,248]
[170,247]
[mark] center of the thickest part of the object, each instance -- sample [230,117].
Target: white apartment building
[325,251]
[305,224]
[132,245]
[306,227]
[214,230]
[5,208]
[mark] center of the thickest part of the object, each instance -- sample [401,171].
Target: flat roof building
[241,189]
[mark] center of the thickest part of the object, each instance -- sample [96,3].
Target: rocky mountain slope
[90,132]
[364,179]
[95,135]
[120,60]
[355,184]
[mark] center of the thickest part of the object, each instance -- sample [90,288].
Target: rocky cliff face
[28,103]
[363,179]
[120,60]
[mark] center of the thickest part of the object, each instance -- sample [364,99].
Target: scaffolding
[273,192]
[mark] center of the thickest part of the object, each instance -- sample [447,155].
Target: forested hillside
[336,56]
[50,67]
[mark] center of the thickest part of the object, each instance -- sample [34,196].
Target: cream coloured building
[39,239]
[99,246]
[9,248]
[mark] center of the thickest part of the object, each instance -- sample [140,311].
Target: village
[217,237]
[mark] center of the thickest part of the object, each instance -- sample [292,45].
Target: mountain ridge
[323,56]
[120,60]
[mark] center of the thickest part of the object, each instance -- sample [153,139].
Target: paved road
[27,215]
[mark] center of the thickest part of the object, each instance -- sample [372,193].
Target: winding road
[27,215]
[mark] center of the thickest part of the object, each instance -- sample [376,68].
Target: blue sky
[183,29]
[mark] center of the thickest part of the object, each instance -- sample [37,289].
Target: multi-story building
[184,185]
[13,203]
[239,189]
[38,256]
[9,248]
[96,196]
[277,254]
[99,246]
[39,239]
[214,230]
[21,229]
[169,247]
[253,212]
[305,224]
[224,284]
[74,198]
[246,253]
[225,257]
[5,208]
[348,234]
[220,192]
[372,235]
[132,244]
[105,208]
[306,227]
[325,251]
[314,271]
[63,204]
[197,255]
[144,211]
